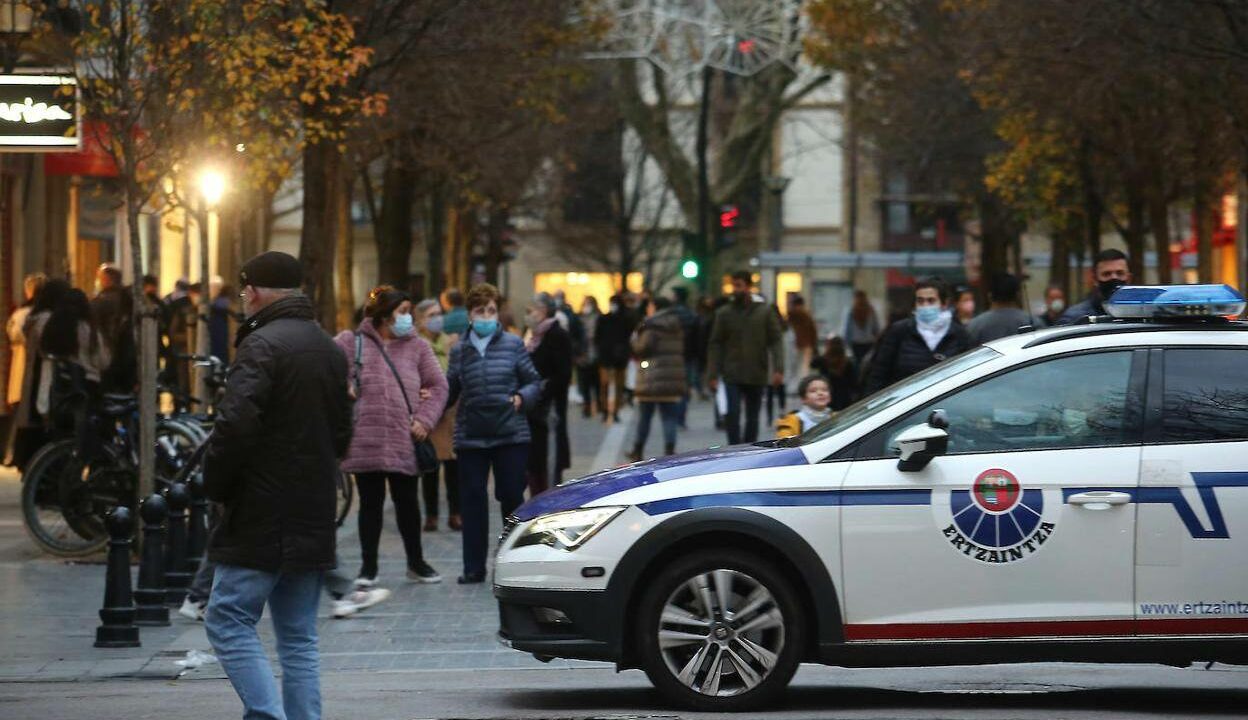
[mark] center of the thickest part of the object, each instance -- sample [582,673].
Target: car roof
[1106,331]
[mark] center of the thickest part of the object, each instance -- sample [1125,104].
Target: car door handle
[1099,499]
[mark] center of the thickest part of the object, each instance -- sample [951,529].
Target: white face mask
[1057,305]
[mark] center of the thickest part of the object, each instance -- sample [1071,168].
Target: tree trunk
[394,234]
[1159,219]
[320,172]
[495,233]
[1059,268]
[345,249]
[1133,233]
[996,239]
[1203,210]
[435,241]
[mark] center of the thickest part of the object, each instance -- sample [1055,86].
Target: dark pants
[753,397]
[372,490]
[669,413]
[509,463]
[587,383]
[775,401]
[429,487]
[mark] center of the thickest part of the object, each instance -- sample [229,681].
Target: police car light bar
[1175,301]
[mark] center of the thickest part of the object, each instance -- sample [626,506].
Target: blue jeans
[669,413]
[509,463]
[238,598]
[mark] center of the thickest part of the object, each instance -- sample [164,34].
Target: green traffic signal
[689,269]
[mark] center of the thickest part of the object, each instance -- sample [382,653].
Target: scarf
[536,335]
[935,331]
[811,417]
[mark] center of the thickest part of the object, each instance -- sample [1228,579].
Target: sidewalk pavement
[48,607]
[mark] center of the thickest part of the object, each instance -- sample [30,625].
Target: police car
[1071,494]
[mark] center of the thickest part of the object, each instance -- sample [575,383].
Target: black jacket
[1092,305]
[615,330]
[273,454]
[902,352]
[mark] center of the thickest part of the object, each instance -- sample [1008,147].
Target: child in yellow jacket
[816,394]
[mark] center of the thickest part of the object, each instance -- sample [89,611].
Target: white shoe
[192,610]
[358,600]
[365,582]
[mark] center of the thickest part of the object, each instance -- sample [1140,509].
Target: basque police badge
[996,521]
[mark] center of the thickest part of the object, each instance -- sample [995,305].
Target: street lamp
[211,186]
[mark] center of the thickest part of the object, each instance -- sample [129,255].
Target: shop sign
[38,113]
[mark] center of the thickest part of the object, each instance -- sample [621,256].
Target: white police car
[1072,494]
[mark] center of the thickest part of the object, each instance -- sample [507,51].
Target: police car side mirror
[918,444]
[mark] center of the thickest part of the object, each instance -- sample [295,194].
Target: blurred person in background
[841,372]
[964,305]
[659,345]
[15,328]
[862,327]
[612,339]
[587,364]
[745,344]
[430,324]
[1054,306]
[550,347]
[1005,314]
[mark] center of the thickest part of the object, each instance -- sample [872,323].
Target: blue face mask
[434,324]
[403,325]
[927,314]
[484,328]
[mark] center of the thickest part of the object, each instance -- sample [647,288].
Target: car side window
[1205,395]
[1072,401]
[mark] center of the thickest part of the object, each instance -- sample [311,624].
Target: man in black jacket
[918,342]
[272,461]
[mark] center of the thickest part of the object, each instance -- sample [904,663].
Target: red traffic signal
[728,215]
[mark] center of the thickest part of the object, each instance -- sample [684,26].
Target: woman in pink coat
[389,417]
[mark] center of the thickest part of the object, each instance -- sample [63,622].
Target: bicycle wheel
[346,493]
[175,443]
[64,500]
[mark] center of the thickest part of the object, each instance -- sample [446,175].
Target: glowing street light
[212,186]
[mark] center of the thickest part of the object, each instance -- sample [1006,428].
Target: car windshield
[891,395]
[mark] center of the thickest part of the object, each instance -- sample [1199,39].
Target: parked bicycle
[67,489]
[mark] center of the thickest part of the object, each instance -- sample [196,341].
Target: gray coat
[484,386]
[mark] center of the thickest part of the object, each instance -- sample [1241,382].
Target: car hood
[577,493]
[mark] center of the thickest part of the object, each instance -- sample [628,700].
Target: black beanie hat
[271,270]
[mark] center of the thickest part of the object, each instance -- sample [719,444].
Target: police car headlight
[568,530]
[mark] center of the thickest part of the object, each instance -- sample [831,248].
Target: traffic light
[728,216]
[690,270]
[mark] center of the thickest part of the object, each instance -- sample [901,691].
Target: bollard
[197,534]
[117,628]
[177,579]
[149,596]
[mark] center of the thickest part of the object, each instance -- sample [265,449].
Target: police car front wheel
[720,630]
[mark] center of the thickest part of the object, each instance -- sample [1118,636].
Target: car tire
[753,626]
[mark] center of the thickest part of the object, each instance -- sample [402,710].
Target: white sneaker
[192,610]
[358,600]
[365,582]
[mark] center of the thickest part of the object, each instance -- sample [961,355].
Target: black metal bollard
[197,534]
[150,594]
[117,628]
[177,579]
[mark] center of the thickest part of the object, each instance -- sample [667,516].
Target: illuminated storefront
[577,286]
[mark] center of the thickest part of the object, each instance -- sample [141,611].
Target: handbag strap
[389,363]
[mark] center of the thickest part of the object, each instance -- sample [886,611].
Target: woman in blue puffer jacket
[492,377]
